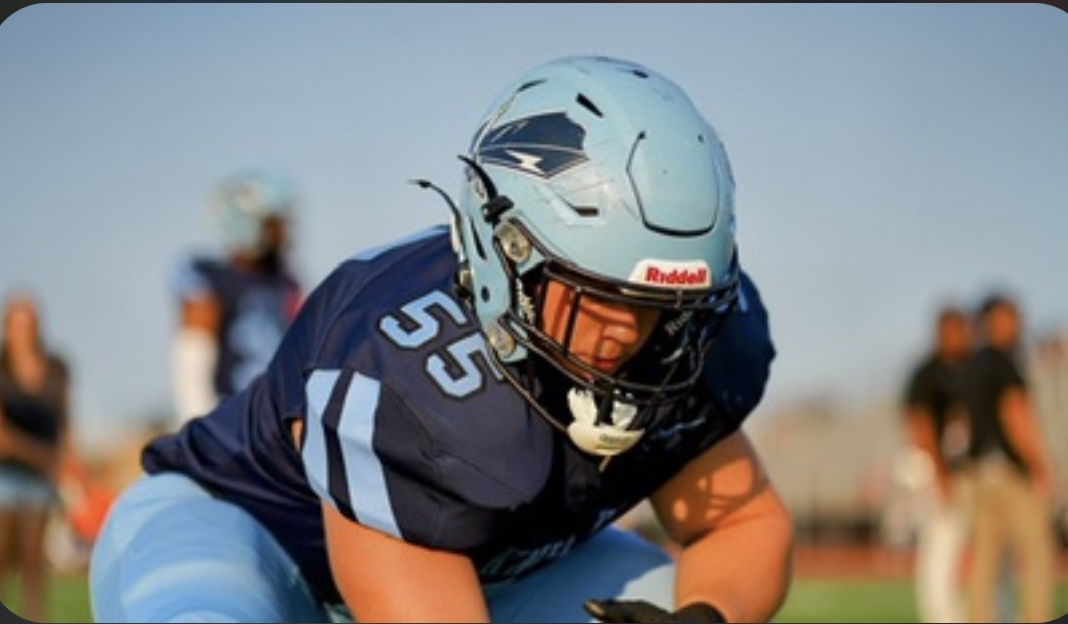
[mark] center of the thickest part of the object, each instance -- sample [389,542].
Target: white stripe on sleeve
[363,470]
[318,389]
[364,475]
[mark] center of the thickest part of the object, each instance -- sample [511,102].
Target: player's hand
[642,612]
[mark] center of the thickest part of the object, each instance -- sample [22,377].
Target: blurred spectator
[1048,372]
[235,308]
[937,428]
[1010,472]
[34,440]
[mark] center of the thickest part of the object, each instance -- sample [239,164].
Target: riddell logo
[680,274]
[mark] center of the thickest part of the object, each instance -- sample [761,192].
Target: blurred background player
[34,418]
[235,308]
[1010,472]
[937,428]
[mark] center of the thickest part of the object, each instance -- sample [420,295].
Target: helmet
[601,174]
[244,200]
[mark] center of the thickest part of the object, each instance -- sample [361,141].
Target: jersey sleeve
[188,280]
[407,429]
[400,489]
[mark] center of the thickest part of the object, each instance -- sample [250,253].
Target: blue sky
[888,156]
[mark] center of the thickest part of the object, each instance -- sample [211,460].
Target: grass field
[811,600]
[849,601]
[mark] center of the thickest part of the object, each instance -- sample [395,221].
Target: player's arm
[195,351]
[736,534]
[383,579]
[1021,426]
[920,431]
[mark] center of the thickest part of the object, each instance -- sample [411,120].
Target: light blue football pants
[170,552]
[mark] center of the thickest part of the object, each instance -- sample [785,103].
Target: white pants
[170,552]
[940,547]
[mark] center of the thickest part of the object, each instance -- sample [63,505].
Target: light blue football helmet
[602,174]
[243,200]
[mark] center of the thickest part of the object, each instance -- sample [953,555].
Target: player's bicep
[384,579]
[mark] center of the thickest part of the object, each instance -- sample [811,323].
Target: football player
[454,421]
[234,309]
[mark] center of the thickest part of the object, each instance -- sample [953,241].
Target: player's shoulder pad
[403,382]
[739,364]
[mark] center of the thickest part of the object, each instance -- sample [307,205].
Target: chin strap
[605,439]
[601,431]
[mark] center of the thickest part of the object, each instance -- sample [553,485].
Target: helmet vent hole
[588,105]
[484,294]
[639,73]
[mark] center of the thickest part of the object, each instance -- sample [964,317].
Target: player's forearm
[419,593]
[743,569]
[1021,426]
[919,425]
[439,606]
[384,579]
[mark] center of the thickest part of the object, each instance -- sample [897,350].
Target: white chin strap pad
[605,440]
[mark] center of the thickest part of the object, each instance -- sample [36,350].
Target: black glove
[642,612]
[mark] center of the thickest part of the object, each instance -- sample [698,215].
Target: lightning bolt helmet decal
[543,145]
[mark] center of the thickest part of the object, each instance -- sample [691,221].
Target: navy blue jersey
[409,430]
[255,306]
